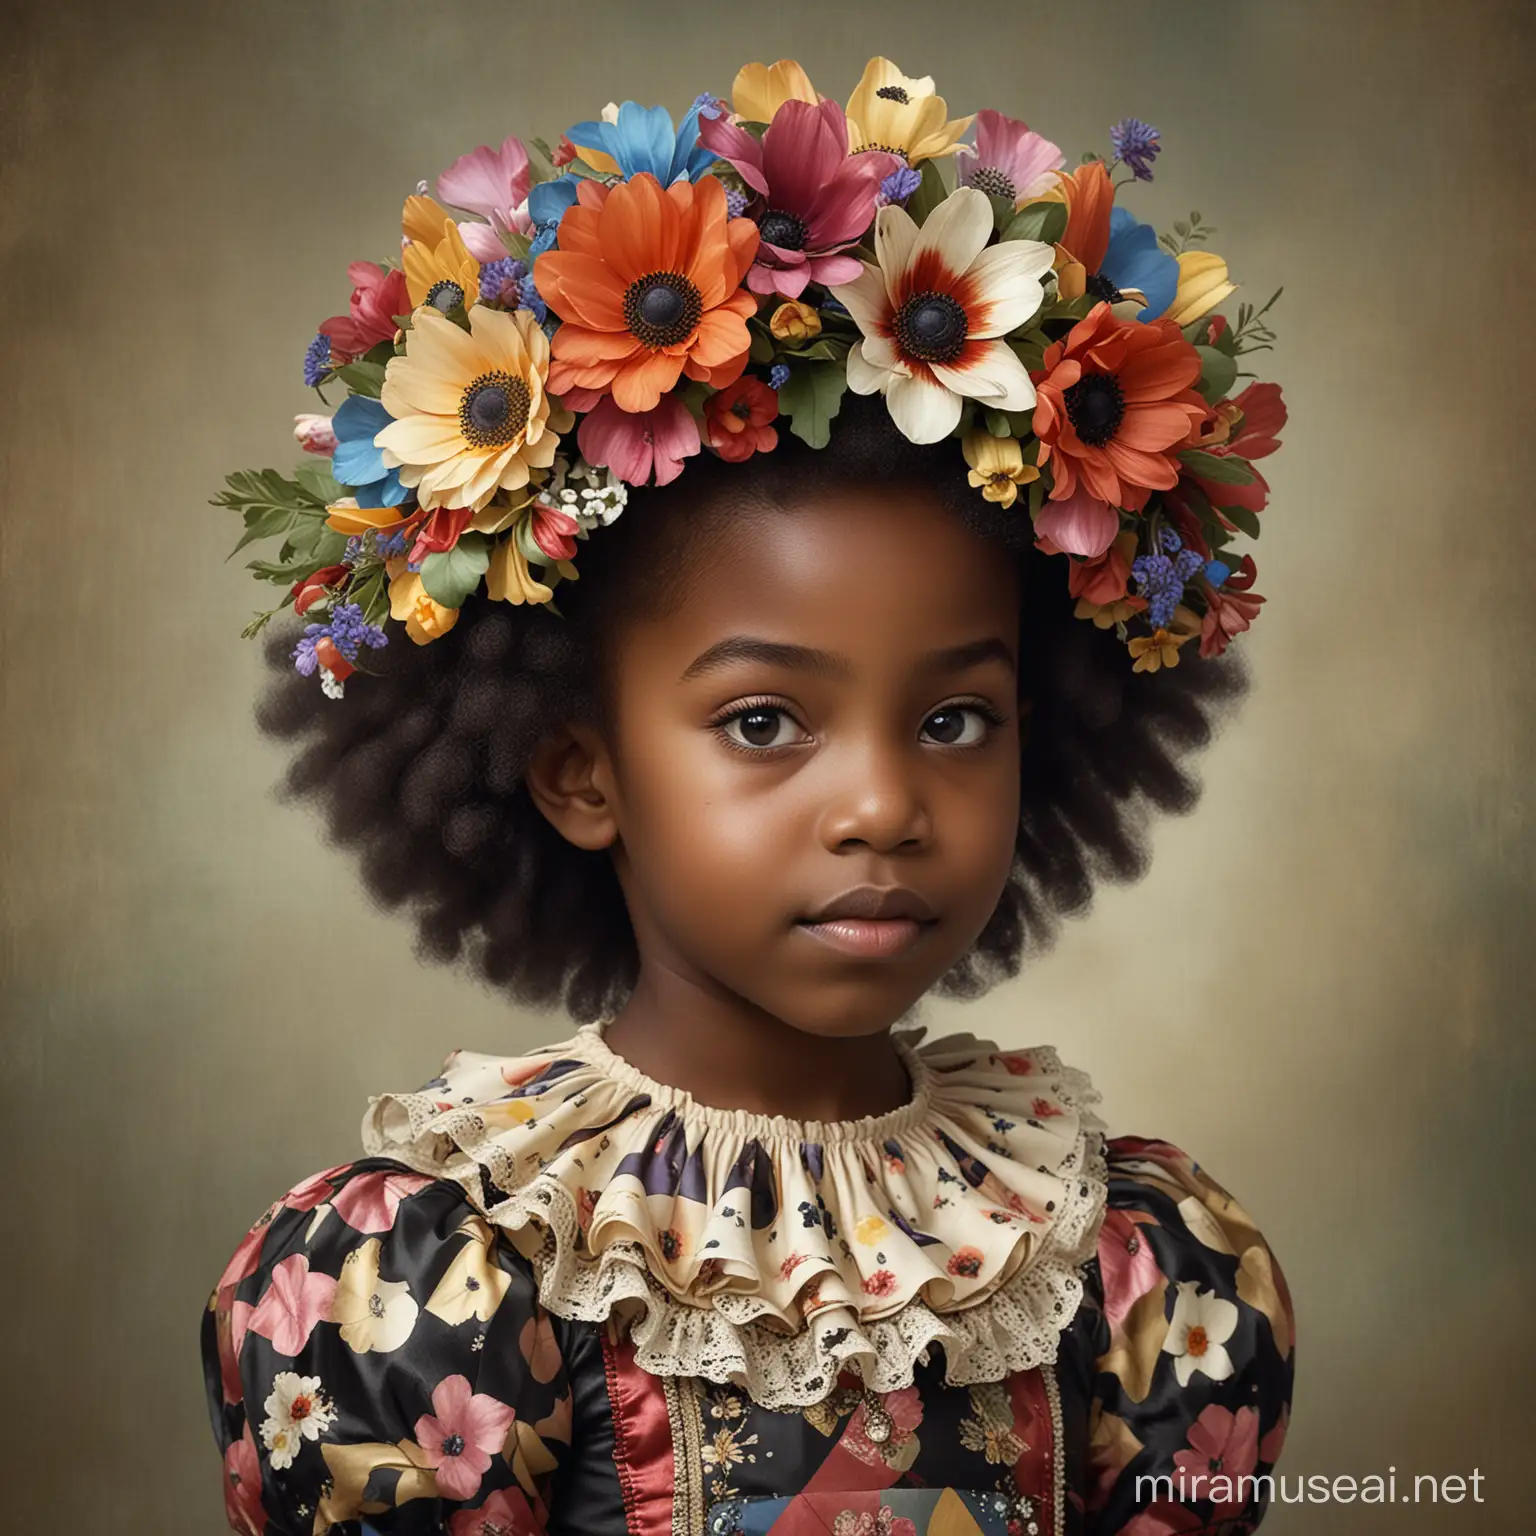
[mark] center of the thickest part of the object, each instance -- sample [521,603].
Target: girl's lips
[873,937]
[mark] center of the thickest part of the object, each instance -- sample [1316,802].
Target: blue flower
[356,462]
[547,203]
[778,375]
[1133,260]
[643,139]
[1217,571]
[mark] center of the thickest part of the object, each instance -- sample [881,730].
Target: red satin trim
[1035,1470]
[642,1441]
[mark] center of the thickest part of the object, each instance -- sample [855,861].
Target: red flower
[738,417]
[671,1242]
[881,1283]
[554,531]
[966,1262]
[1230,610]
[378,295]
[1259,413]
[440,532]
[242,1486]
[308,590]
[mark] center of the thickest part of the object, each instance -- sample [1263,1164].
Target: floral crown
[593,317]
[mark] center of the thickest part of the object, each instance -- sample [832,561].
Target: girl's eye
[959,725]
[761,725]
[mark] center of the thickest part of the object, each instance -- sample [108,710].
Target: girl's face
[832,706]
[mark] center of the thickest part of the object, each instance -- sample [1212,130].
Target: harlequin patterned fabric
[377,1354]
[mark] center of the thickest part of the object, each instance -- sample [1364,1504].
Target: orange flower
[1114,405]
[738,417]
[1090,198]
[648,283]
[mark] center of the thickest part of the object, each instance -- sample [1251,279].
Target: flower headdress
[645,291]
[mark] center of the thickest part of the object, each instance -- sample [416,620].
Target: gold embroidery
[1058,1452]
[684,1421]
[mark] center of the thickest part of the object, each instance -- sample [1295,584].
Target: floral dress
[558,1297]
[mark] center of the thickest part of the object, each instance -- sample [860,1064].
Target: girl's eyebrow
[805,658]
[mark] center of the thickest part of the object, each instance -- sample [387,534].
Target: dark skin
[740,789]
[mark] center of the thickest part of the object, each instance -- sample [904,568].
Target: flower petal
[922,407]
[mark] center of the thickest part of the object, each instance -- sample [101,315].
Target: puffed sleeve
[376,1349]
[1194,1355]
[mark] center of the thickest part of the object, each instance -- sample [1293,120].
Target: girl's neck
[729,1055]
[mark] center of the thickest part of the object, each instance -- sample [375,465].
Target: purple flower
[1137,144]
[304,659]
[346,629]
[317,361]
[898,186]
[396,544]
[735,203]
[498,277]
[529,298]
[707,104]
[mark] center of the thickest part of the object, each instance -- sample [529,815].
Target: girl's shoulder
[1193,1344]
[371,1331]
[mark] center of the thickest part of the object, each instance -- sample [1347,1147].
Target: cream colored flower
[473,1284]
[375,1315]
[892,111]
[297,1409]
[470,410]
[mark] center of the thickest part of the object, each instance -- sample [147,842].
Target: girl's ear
[569,779]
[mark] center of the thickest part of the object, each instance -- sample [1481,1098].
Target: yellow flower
[871,1229]
[438,267]
[510,580]
[1202,286]
[345,516]
[470,410]
[1107,615]
[473,1284]
[888,110]
[759,90]
[1161,647]
[794,321]
[997,466]
[425,619]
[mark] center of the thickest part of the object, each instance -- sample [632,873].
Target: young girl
[825,726]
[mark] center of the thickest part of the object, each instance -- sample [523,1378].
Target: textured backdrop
[1318,991]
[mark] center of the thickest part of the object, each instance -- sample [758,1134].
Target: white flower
[330,685]
[297,1409]
[1200,1327]
[934,312]
[314,434]
[374,1314]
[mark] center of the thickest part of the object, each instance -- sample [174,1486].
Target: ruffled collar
[776,1253]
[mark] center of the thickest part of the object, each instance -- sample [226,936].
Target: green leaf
[811,397]
[451,575]
[362,378]
[1046,222]
[1227,469]
[824,349]
[762,343]
[269,503]
[317,479]
[1036,497]
[1002,211]
[312,540]
[1245,520]
[998,424]
[930,193]
[1218,373]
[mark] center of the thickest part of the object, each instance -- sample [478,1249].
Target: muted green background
[1319,991]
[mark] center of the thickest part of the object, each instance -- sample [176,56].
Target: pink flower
[1222,1445]
[1009,160]
[481,241]
[1127,1264]
[814,198]
[368,1203]
[506,1513]
[632,445]
[242,1486]
[293,1303]
[377,296]
[1078,524]
[490,182]
[881,1283]
[314,434]
[460,1435]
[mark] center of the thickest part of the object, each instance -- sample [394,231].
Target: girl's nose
[879,803]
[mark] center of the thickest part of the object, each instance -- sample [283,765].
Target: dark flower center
[997,183]
[494,410]
[661,309]
[453,1445]
[1101,288]
[446,296]
[1096,407]
[743,409]
[931,326]
[783,230]
[894,93]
